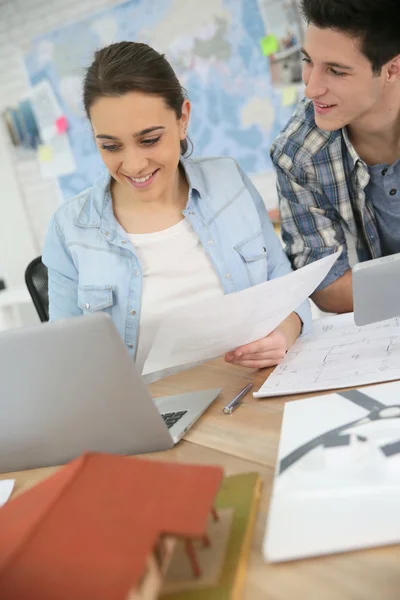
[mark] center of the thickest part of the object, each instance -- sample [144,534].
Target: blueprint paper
[337,354]
[208,329]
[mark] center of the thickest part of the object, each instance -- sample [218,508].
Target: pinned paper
[269,45]
[45,153]
[6,488]
[289,96]
[61,125]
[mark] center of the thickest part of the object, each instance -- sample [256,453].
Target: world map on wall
[214,47]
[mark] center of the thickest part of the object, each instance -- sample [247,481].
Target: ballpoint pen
[237,401]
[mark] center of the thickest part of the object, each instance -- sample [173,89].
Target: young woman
[158,230]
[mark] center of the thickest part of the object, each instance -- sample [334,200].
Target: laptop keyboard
[173,417]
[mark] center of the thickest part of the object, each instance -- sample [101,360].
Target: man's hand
[269,351]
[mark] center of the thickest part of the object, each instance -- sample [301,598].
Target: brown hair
[375,23]
[133,67]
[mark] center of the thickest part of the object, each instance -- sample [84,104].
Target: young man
[337,160]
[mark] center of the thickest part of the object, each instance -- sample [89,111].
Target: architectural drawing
[338,354]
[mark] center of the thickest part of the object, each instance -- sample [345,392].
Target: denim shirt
[93,266]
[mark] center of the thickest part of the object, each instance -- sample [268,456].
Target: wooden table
[247,440]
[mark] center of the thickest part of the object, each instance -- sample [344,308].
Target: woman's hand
[269,351]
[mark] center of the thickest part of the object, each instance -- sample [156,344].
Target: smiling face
[139,137]
[339,79]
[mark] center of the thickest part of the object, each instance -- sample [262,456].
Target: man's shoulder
[302,141]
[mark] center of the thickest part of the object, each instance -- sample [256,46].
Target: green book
[223,562]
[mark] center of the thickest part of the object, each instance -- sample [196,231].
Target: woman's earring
[185,131]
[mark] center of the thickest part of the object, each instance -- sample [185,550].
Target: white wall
[17,244]
[26,200]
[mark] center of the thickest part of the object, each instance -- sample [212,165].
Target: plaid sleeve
[310,226]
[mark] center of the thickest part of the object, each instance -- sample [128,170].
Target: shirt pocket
[253,253]
[92,298]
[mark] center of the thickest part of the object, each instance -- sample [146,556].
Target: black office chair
[37,283]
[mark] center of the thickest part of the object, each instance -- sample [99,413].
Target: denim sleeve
[310,227]
[62,273]
[278,262]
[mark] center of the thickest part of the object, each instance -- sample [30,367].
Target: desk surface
[247,441]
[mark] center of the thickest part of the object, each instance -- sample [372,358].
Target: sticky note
[289,96]
[45,153]
[61,125]
[269,45]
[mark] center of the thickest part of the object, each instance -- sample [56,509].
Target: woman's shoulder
[70,209]
[214,171]
[85,206]
[212,164]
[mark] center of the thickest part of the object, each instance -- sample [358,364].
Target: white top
[176,270]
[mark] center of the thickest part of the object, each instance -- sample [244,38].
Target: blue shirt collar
[193,176]
[353,154]
[97,210]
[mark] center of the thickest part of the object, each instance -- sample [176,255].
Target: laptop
[376,290]
[70,386]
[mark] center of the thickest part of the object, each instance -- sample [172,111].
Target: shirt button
[210,242]
[190,212]
[87,305]
[228,276]
[132,312]
[136,273]
[384,172]
[130,345]
[107,233]
[393,192]
[123,242]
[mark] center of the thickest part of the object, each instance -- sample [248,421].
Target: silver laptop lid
[68,387]
[376,290]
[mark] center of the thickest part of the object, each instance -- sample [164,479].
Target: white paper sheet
[205,330]
[337,480]
[6,488]
[337,354]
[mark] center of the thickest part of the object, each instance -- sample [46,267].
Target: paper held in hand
[204,330]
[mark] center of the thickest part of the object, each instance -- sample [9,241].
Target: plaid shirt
[321,188]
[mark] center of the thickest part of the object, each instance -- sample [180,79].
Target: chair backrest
[37,283]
